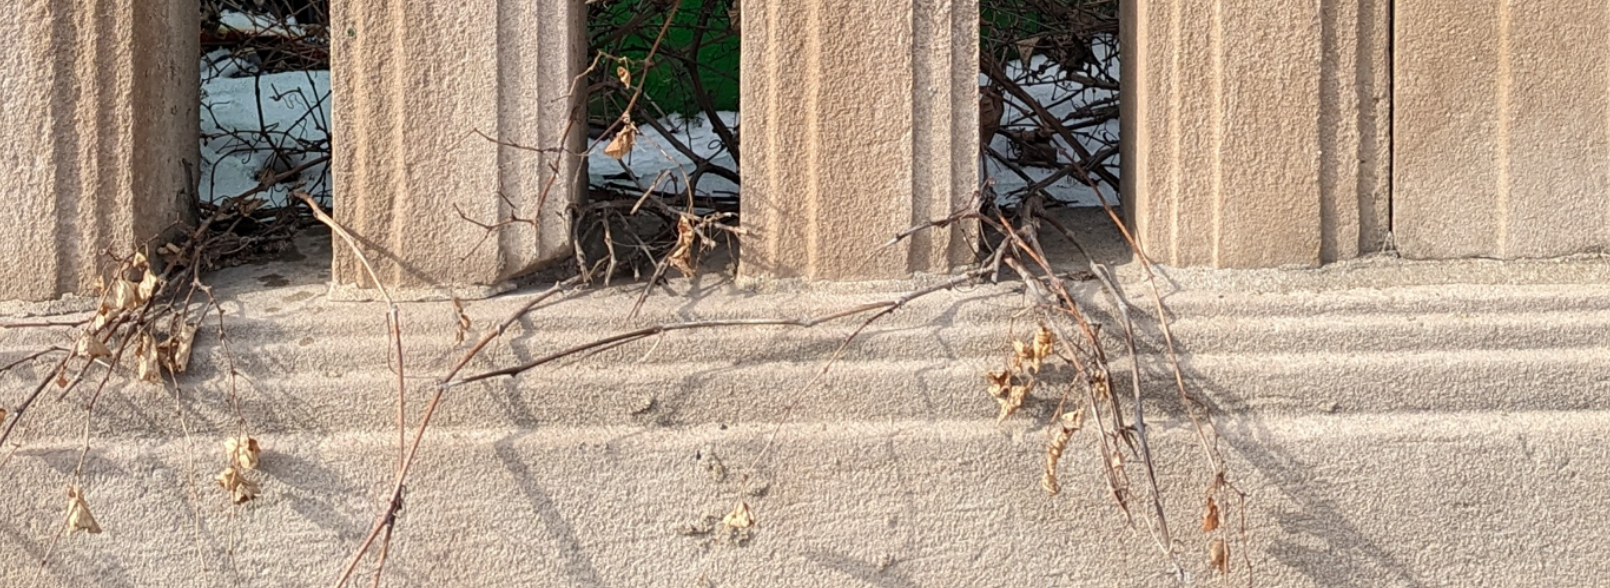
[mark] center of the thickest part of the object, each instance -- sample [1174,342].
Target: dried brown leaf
[147,359]
[1071,421]
[242,452]
[739,518]
[1013,400]
[681,257]
[1044,342]
[241,488]
[623,140]
[463,321]
[1210,518]
[1026,47]
[78,515]
[176,350]
[1219,555]
[125,295]
[624,74]
[90,347]
[999,383]
[148,285]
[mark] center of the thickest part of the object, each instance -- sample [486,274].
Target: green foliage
[699,44]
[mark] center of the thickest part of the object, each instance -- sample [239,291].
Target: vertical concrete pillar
[1502,128]
[412,82]
[860,120]
[1255,133]
[98,102]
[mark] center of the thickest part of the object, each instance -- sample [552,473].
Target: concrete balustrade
[99,153]
[860,120]
[1255,133]
[413,81]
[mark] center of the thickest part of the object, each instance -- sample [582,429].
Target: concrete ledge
[1376,500]
[1428,432]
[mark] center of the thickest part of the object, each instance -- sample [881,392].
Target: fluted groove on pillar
[1502,126]
[413,81]
[860,121]
[100,103]
[1254,133]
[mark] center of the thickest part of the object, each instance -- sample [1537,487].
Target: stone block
[1255,133]
[100,151]
[861,121]
[1502,126]
[413,82]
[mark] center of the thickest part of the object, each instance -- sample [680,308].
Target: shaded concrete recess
[1379,413]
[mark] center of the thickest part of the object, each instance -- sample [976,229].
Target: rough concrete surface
[99,148]
[1394,424]
[1501,128]
[422,86]
[861,124]
[1223,162]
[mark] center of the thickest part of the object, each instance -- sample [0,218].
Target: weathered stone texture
[99,105]
[414,81]
[1502,125]
[1255,134]
[861,122]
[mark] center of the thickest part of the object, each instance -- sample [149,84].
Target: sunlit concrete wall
[414,81]
[1256,134]
[1502,128]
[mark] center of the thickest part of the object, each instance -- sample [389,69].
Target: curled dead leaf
[147,360]
[624,74]
[78,515]
[1210,518]
[1013,400]
[1044,340]
[90,347]
[463,321]
[240,488]
[999,383]
[125,295]
[148,285]
[176,350]
[1071,422]
[242,452]
[739,518]
[1099,385]
[681,257]
[1219,555]
[624,139]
